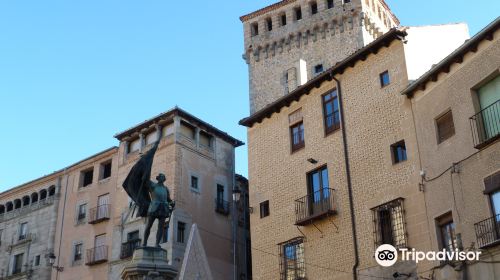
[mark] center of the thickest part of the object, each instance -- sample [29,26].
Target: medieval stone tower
[289,42]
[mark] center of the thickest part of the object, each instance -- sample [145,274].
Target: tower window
[269,23]
[329,4]
[255,29]
[314,8]
[283,19]
[318,69]
[298,13]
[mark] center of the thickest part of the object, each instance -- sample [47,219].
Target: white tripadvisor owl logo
[386,255]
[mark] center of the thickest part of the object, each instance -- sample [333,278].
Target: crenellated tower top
[291,41]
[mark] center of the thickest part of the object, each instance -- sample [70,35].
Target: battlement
[289,23]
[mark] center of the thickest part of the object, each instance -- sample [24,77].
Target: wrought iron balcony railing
[99,214]
[485,125]
[222,206]
[129,247]
[97,255]
[488,231]
[314,206]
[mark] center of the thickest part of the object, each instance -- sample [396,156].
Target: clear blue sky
[73,73]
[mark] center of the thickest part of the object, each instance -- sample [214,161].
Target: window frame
[301,144]
[382,75]
[181,232]
[103,168]
[336,125]
[269,24]
[395,154]
[194,179]
[295,265]
[297,12]
[440,124]
[398,229]
[264,209]
[443,223]
[254,29]
[313,5]
[84,178]
[330,4]
[75,251]
[283,19]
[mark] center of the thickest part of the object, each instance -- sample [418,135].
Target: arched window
[34,197]
[10,206]
[52,190]
[2,209]
[43,194]
[17,203]
[26,200]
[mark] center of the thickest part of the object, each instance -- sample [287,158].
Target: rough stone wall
[459,192]
[375,118]
[324,38]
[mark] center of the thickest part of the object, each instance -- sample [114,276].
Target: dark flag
[138,179]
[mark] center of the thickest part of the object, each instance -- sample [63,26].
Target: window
[264,209]
[269,23]
[106,170]
[347,1]
[134,145]
[297,135]
[37,260]
[329,4]
[187,131]
[205,140]
[389,224]
[87,177]
[398,152]
[318,69]
[314,8]
[283,19]
[78,252]
[487,118]
[255,29]
[82,212]
[298,13]
[495,203]
[194,183]
[181,227]
[23,231]
[292,263]
[445,127]
[446,229]
[167,130]
[384,79]
[331,112]
[318,189]
[17,266]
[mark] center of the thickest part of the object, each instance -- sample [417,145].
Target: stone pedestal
[149,263]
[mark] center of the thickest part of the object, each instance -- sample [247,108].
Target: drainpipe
[349,183]
[62,222]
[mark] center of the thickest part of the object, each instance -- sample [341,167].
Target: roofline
[339,68]
[55,173]
[280,4]
[456,56]
[179,112]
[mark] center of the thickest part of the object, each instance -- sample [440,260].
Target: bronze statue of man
[160,208]
[152,199]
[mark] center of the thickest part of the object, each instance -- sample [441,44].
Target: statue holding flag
[152,199]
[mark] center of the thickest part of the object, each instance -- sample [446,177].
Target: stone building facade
[28,215]
[335,165]
[83,216]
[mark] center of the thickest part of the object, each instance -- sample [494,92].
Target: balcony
[129,247]
[221,206]
[488,232]
[99,214]
[485,125]
[314,206]
[97,255]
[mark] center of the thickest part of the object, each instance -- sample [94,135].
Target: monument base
[149,263]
